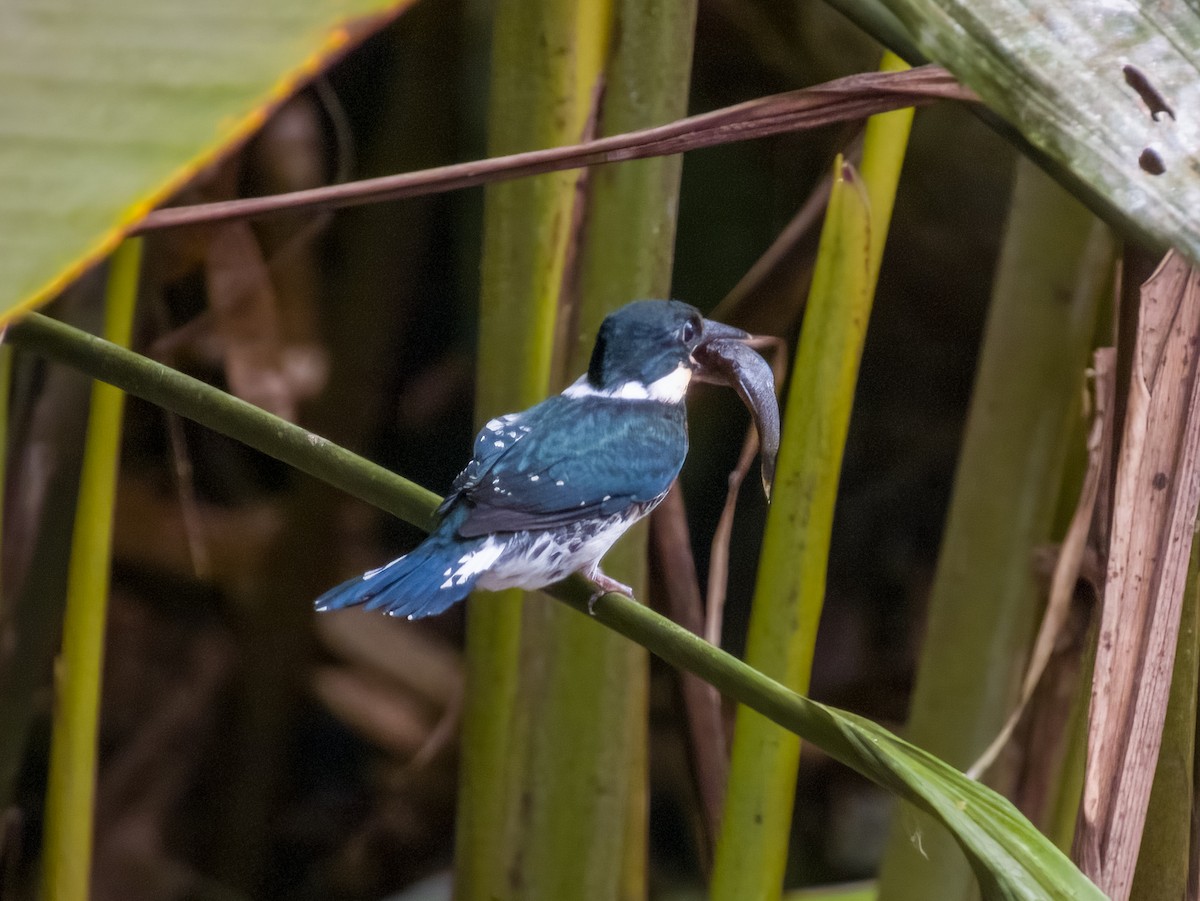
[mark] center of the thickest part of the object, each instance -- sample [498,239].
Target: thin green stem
[71,790]
[1012,859]
[226,414]
[789,595]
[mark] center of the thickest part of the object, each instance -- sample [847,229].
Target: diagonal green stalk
[71,790]
[1013,860]
[984,602]
[547,58]
[752,848]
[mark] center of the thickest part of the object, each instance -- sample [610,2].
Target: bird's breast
[535,559]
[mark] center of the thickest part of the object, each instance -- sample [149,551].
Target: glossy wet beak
[724,358]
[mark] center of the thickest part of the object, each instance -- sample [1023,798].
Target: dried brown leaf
[1157,490]
[247,317]
[413,659]
[670,541]
[387,716]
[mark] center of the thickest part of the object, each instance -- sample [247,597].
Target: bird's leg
[604,585]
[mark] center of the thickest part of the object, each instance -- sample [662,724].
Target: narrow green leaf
[106,109]
[752,848]
[71,790]
[1013,859]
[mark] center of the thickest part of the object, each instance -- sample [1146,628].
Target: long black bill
[726,359]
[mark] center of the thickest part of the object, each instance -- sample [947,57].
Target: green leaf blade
[107,109]
[1057,73]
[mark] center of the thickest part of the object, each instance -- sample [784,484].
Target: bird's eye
[689,331]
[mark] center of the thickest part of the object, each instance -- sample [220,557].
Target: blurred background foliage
[248,750]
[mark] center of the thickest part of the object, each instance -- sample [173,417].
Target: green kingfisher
[549,490]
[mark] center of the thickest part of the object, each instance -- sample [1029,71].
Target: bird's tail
[438,573]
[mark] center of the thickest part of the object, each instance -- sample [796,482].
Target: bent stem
[1012,859]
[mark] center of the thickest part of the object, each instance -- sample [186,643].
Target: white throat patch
[670,389]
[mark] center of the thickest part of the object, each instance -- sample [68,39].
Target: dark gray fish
[728,361]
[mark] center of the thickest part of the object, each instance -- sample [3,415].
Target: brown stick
[1154,513]
[708,748]
[845,99]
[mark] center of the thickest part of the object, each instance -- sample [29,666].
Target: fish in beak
[724,357]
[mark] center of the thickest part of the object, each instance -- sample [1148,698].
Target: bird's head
[648,349]
[652,349]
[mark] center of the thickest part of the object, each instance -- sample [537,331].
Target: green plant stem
[227,414]
[1012,859]
[547,58]
[752,848]
[591,791]
[71,789]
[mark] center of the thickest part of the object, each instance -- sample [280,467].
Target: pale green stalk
[586,688]
[752,848]
[70,793]
[547,58]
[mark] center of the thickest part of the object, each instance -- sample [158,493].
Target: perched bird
[549,490]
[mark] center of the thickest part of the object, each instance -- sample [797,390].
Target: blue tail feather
[415,585]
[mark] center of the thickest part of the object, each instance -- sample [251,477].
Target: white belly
[538,559]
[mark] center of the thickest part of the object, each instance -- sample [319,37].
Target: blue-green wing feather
[569,459]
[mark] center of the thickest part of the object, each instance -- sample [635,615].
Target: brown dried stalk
[708,748]
[1157,491]
[842,100]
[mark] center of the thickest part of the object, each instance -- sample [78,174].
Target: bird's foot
[604,584]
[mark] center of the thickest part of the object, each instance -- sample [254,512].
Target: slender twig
[708,743]
[846,99]
[227,414]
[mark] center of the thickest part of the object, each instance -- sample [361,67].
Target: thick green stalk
[547,59]
[984,604]
[589,790]
[752,848]
[1162,866]
[1013,860]
[71,790]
